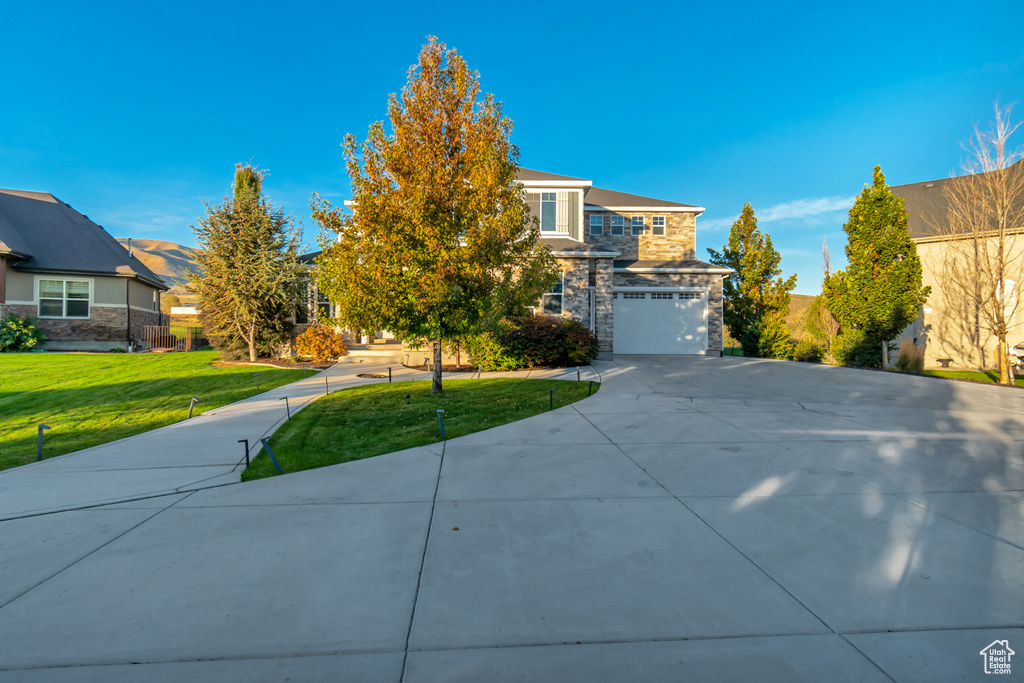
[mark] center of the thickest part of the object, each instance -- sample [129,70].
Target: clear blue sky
[135,112]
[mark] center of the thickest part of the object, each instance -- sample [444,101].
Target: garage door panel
[660,322]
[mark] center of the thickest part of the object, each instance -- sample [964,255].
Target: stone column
[603,304]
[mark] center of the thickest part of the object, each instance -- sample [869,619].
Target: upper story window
[548,211]
[63,298]
[617,225]
[638,225]
[596,225]
[658,225]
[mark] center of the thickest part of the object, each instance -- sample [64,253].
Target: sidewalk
[200,453]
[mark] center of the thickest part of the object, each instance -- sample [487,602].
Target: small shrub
[488,353]
[911,358]
[19,333]
[580,343]
[808,351]
[321,343]
[853,349]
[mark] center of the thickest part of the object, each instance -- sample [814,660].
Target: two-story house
[629,267]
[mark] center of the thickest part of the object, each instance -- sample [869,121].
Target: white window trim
[553,187]
[632,226]
[560,295]
[591,226]
[664,226]
[612,226]
[63,278]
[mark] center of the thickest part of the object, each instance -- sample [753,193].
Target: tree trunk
[251,340]
[885,354]
[1005,373]
[436,386]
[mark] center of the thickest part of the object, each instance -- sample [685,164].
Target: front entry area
[660,320]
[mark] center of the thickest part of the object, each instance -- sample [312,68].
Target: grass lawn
[90,398]
[732,351]
[365,421]
[990,377]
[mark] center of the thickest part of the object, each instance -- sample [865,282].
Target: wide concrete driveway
[705,519]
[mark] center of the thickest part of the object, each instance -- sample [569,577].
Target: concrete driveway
[698,519]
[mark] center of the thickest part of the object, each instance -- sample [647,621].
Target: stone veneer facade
[677,244]
[105,325]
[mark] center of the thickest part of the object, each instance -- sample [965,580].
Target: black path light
[327,389]
[39,441]
[246,442]
[551,399]
[191,404]
[440,422]
[256,379]
[407,399]
[266,447]
[286,408]
[590,386]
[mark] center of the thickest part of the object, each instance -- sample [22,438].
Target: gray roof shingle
[43,234]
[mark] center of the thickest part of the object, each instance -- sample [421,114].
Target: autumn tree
[879,292]
[756,297]
[983,264]
[247,281]
[440,239]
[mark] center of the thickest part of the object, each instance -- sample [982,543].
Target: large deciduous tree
[247,281]
[983,232]
[756,297]
[440,239]
[879,292]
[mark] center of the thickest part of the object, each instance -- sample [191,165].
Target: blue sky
[135,112]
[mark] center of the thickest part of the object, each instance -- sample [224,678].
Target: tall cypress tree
[756,298]
[879,292]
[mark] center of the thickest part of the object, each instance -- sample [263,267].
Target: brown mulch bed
[278,362]
[444,368]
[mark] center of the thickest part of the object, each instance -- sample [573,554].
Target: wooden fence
[174,337]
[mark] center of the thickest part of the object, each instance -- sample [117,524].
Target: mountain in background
[168,260]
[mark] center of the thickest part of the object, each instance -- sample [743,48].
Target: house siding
[103,329]
[677,244]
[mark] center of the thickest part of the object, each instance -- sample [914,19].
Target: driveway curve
[697,519]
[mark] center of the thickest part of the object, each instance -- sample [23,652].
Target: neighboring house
[629,267]
[951,334]
[58,266]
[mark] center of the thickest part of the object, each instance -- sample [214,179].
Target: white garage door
[660,322]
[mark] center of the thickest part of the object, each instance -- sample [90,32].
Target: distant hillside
[799,304]
[168,260]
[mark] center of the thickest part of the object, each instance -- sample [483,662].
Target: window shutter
[562,220]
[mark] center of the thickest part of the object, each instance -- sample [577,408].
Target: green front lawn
[990,377]
[90,399]
[365,421]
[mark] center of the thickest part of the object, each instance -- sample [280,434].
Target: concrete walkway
[698,519]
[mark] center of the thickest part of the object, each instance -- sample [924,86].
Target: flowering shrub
[321,343]
[19,333]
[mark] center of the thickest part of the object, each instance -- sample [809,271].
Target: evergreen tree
[441,239]
[879,292]
[247,282]
[756,298]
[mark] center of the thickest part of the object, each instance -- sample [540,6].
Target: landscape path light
[39,441]
[191,404]
[246,442]
[286,408]
[440,421]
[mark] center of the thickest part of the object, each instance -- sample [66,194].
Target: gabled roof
[600,198]
[528,175]
[927,206]
[43,234]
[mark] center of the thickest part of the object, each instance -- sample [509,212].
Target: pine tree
[756,298]
[879,292]
[441,239]
[247,282]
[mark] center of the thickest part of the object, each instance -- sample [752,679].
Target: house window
[551,303]
[634,295]
[638,225]
[63,299]
[658,225]
[662,295]
[548,211]
[323,306]
[597,225]
[617,225]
